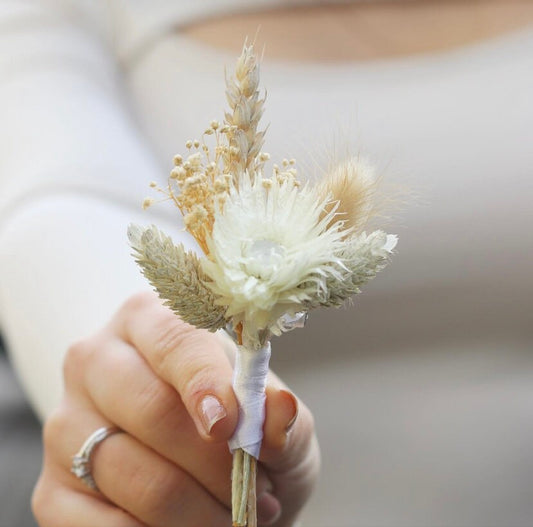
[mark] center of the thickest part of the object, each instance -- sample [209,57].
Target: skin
[147,372]
[378,29]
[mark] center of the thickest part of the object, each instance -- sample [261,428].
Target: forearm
[73,171]
[66,268]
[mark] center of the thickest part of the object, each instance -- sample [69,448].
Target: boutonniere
[274,248]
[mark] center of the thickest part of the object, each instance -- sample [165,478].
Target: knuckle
[38,500]
[55,427]
[42,505]
[76,358]
[172,335]
[199,379]
[157,401]
[139,301]
[183,354]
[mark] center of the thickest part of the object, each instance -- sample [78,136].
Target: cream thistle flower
[271,253]
[273,250]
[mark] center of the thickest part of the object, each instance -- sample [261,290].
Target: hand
[167,385]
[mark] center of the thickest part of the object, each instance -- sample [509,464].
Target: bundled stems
[249,383]
[243,489]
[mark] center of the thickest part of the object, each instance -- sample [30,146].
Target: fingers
[59,506]
[127,392]
[288,431]
[289,454]
[151,488]
[281,411]
[131,475]
[123,388]
[170,386]
[195,364]
[191,360]
[288,427]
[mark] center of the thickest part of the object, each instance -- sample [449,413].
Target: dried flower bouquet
[274,249]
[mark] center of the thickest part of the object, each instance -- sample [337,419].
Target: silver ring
[81,462]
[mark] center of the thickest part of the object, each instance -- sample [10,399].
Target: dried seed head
[178,173]
[147,203]
[177,277]
[195,219]
[351,187]
[194,161]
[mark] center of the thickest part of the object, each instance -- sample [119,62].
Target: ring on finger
[82,462]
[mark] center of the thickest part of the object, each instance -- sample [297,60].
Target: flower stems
[243,489]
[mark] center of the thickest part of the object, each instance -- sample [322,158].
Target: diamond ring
[81,462]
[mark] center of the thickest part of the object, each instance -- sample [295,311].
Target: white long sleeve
[73,172]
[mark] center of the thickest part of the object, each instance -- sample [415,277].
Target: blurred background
[422,390]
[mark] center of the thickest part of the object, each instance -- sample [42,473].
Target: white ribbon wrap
[249,382]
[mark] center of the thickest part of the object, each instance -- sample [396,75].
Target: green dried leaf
[177,277]
[363,256]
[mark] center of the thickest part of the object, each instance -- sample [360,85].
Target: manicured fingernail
[268,508]
[211,412]
[294,402]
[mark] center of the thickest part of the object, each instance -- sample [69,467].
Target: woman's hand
[167,385]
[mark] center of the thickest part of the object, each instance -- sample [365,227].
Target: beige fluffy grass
[350,188]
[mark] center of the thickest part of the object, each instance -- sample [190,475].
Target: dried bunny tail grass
[246,109]
[177,277]
[351,187]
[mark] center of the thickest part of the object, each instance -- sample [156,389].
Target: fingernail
[211,412]
[268,508]
[294,402]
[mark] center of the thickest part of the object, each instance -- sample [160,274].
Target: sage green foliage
[177,277]
[362,257]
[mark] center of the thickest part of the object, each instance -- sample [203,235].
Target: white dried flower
[273,247]
[270,252]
